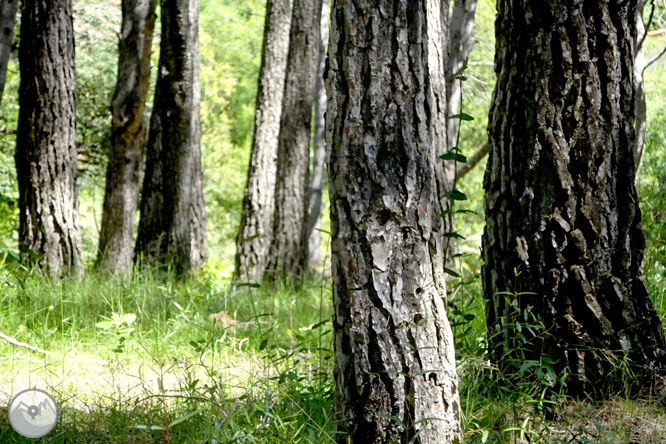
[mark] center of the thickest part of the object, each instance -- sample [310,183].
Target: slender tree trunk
[123,174]
[8,9]
[256,227]
[562,215]
[319,151]
[395,368]
[172,228]
[288,251]
[46,142]
[640,103]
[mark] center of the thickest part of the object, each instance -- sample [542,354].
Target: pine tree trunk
[172,228]
[256,227]
[319,151]
[288,251]
[394,360]
[561,205]
[123,174]
[46,142]
[8,9]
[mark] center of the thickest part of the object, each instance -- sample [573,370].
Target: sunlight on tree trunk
[123,174]
[256,227]
[46,142]
[395,369]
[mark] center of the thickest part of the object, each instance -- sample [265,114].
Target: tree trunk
[46,142]
[459,45]
[123,174]
[562,215]
[172,228]
[8,10]
[319,151]
[395,368]
[640,103]
[288,251]
[256,227]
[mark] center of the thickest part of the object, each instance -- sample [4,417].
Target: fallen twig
[21,344]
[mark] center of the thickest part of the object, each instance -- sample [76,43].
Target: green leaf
[484,436]
[249,284]
[429,419]
[185,417]
[466,212]
[415,437]
[455,195]
[453,156]
[451,272]
[462,116]
[263,343]
[462,78]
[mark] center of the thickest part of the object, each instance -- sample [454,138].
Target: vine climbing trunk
[563,229]
[395,368]
[46,169]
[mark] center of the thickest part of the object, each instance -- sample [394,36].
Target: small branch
[21,344]
[654,59]
[479,154]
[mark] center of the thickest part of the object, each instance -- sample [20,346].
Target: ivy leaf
[454,235]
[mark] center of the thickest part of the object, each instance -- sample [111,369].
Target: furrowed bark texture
[46,141]
[288,251]
[8,9]
[128,137]
[256,226]
[172,229]
[394,354]
[319,149]
[560,204]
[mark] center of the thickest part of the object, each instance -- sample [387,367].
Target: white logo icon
[33,413]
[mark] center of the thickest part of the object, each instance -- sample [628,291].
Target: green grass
[129,353]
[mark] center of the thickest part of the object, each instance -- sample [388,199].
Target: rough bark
[319,151]
[394,357]
[288,250]
[46,142]
[172,228]
[256,227]
[128,136]
[561,205]
[8,10]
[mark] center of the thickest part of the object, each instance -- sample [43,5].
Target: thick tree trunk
[562,215]
[172,228]
[256,227]
[395,368]
[46,142]
[319,151]
[8,9]
[123,174]
[288,251]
